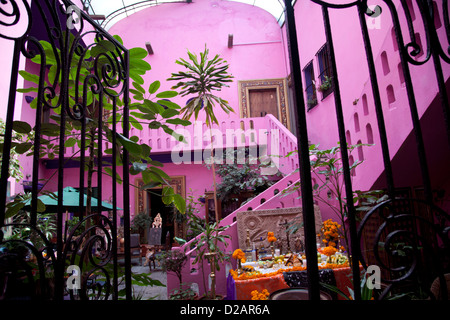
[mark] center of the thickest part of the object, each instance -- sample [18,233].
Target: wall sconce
[149,48]
[230,41]
[97,16]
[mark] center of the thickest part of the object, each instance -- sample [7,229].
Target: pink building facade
[259,61]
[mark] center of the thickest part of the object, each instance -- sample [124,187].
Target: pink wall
[172,29]
[354,82]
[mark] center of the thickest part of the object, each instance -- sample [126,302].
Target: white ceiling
[109,8]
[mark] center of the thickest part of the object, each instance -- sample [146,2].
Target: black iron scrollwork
[90,248]
[80,66]
[409,240]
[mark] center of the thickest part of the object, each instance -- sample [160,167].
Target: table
[241,289]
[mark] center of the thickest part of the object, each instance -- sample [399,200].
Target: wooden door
[262,102]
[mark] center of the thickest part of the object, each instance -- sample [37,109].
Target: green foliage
[239,178]
[141,221]
[173,261]
[15,169]
[45,223]
[149,106]
[202,77]
[183,293]
[327,170]
[208,240]
[327,83]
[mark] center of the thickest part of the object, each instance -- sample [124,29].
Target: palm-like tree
[201,78]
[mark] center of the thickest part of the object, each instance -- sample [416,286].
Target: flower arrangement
[238,254]
[329,251]
[330,233]
[263,295]
[270,237]
[257,275]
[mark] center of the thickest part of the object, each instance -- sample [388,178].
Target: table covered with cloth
[241,289]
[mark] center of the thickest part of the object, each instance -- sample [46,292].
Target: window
[311,97]
[325,76]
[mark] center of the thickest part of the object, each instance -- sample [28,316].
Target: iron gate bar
[362,9]
[312,268]
[114,198]
[412,102]
[126,185]
[344,154]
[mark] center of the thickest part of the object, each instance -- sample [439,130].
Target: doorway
[262,102]
[155,205]
[257,98]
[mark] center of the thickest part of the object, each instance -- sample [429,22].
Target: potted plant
[206,247]
[183,294]
[201,78]
[327,83]
[141,222]
[311,102]
[174,261]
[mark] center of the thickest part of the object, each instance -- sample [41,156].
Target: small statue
[157,222]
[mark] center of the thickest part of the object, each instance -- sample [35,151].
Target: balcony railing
[266,136]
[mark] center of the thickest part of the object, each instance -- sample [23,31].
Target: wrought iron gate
[56,34]
[425,234]
[81,71]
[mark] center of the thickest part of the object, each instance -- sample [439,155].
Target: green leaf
[154,86]
[179,121]
[168,104]
[180,241]
[23,147]
[40,206]
[138,53]
[167,94]
[138,87]
[153,107]
[103,46]
[179,202]
[136,76]
[128,144]
[13,208]
[29,76]
[168,113]
[50,129]
[27,90]
[118,38]
[137,167]
[141,66]
[70,142]
[21,127]
[135,123]
[167,195]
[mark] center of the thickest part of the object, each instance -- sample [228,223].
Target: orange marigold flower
[238,254]
[329,251]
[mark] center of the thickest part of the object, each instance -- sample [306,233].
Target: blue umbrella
[71,201]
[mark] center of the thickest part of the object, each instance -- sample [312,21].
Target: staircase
[279,141]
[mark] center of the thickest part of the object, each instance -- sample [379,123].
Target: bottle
[254,255]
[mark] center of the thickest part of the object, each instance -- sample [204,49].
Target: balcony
[266,137]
